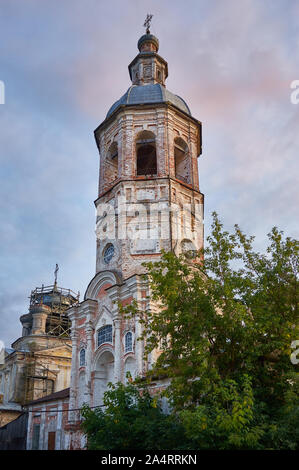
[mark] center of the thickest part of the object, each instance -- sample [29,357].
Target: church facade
[39,362]
[148,201]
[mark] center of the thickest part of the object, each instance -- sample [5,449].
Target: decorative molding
[100,279]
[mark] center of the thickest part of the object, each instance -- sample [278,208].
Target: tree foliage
[131,419]
[223,324]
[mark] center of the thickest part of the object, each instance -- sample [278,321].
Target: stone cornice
[151,179]
[161,104]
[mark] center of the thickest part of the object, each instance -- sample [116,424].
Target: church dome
[148,94]
[148,72]
[150,39]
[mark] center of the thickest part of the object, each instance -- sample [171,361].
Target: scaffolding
[38,378]
[58,300]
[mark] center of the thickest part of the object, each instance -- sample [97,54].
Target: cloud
[46,193]
[64,65]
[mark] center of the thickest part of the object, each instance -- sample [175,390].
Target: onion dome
[148,72]
[148,42]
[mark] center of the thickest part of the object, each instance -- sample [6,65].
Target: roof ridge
[128,92]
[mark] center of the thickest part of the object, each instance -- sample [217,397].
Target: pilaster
[117,350]
[74,375]
[89,338]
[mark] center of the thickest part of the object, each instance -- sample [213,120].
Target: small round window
[108,253]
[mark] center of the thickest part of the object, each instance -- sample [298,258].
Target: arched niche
[146,155]
[103,374]
[182,160]
[111,163]
[81,389]
[188,247]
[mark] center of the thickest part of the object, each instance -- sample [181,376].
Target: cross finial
[147,23]
[55,273]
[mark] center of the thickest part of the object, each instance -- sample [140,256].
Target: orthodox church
[39,362]
[149,145]
[148,200]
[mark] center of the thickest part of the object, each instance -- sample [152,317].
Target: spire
[148,67]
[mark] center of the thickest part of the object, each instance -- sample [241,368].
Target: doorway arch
[103,374]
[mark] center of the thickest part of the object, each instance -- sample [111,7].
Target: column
[43,445]
[59,427]
[88,360]
[29,430]
[74,370]
[139,348]
[136,286]
[117,350]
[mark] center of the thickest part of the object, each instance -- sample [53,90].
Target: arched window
[111,164]
[105,335]
[108,253]
[181,160]
[129,342]
[82,357]
[146,161]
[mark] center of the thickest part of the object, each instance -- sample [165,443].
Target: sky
[64,63]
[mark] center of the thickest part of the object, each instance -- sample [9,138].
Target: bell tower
[148,201]
[149,144]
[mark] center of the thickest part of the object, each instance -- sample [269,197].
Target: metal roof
[9,350]
[151,93]
[65,393]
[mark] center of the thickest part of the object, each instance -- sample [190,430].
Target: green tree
[224,324]
[131,419]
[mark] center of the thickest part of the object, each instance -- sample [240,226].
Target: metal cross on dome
[147,23]
[55,273]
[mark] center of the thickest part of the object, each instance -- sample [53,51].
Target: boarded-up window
[35,437]
[51,440]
